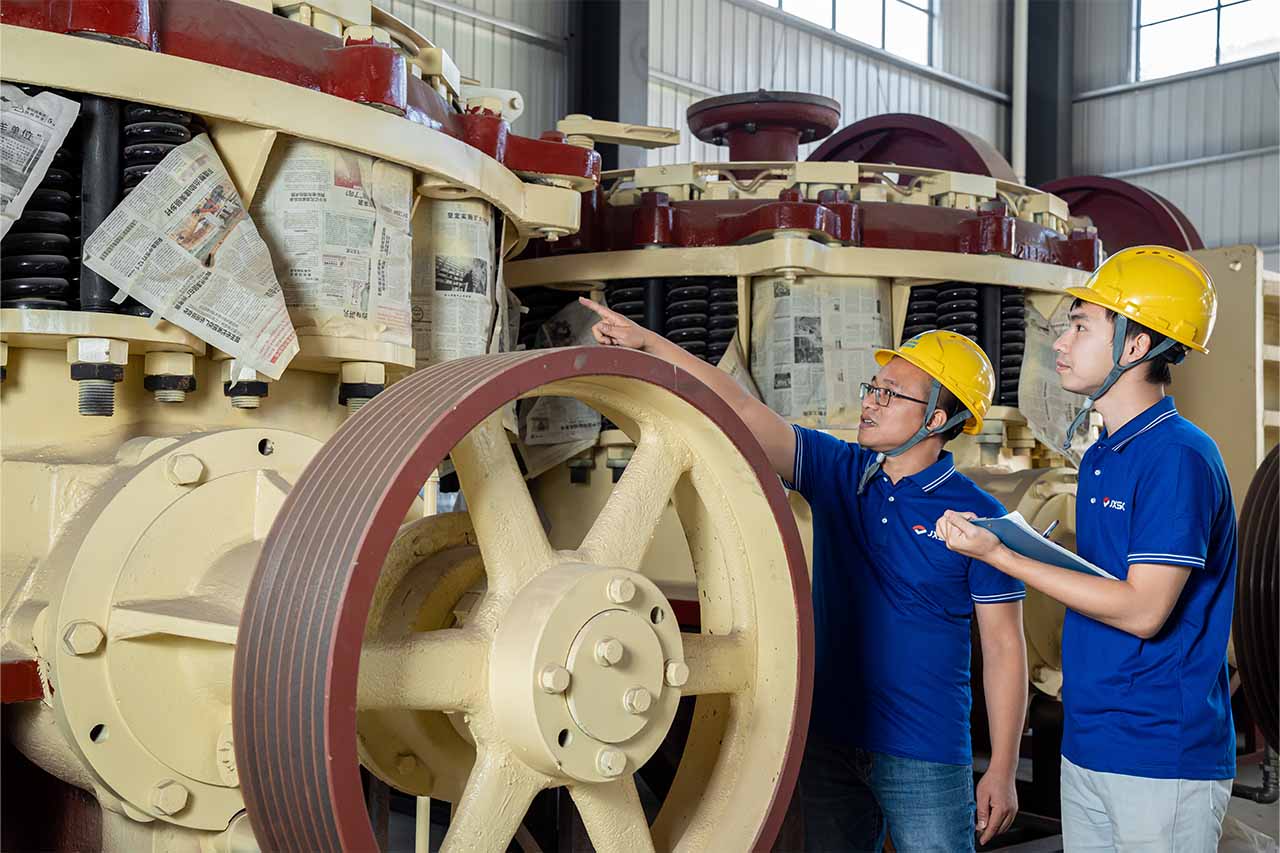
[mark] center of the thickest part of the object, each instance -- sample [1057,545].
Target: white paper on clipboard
[1017,535]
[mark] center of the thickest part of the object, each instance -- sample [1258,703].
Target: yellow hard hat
[957,363]
[1163,289]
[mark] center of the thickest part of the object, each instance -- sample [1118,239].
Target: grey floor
[1253,819]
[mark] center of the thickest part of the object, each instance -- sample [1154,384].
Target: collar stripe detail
[1166,558]
[940,480]
[1121,444]
[1005,596]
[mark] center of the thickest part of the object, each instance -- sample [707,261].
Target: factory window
[1174,36]
[902,27]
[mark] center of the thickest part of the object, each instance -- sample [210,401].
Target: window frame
[1216,7]
[929,7]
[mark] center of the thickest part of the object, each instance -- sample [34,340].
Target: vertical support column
[100,176]
[614,83]
[1050,41]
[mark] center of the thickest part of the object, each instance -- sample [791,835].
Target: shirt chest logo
[921,530]
[1112,503]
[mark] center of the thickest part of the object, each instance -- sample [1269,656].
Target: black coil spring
[697,313]
[40,256]
[686,315]
[627,297]
[922,312]
[149,134]
[723,320]
[958,309]
[1013,342]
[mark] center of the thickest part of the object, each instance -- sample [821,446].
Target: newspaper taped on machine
[32,127]
[182,244]
[813,341]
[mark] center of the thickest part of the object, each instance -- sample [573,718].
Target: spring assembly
[149,134]
[1013,338]
[958,309]
[686,314]
[922,312]
[41,253]
[722,322]
[698,314]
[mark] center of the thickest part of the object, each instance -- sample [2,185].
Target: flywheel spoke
[512,540]
[622,531]
[440,670]
[493,804]
[718,663]
[612,814]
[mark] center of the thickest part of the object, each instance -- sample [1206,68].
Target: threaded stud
[97,397]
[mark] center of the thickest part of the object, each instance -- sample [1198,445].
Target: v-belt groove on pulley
[304,622]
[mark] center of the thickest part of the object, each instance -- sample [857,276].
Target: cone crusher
[916,225]
[229,607]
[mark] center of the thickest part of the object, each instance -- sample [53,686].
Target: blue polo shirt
[1154,492]
[892,605]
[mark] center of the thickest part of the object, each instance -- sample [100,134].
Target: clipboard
[1017,535]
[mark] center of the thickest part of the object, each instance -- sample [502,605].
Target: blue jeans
[851,798]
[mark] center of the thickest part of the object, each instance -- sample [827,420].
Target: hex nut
[184,469]
[608,651]
[97,351]
[621,590]
[611,762]
[82,637]
[637,700]
[362,373]
[169,796]
[677,673]
[554,679]
[169,364]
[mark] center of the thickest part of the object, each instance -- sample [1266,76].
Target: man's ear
[1137,347]
[938,418]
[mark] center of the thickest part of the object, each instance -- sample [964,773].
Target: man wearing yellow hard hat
[889,747]
[1149,745]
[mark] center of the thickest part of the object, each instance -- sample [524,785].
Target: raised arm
[774,434]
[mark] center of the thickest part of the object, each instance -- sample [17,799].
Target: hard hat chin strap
[920,434]
[1117,370]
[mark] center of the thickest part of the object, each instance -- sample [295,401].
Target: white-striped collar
[1122,443]
[939,480]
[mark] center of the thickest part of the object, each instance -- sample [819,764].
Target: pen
[1050,528]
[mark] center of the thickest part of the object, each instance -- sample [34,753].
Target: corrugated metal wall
[701,48]
[510,44]
[1146,134]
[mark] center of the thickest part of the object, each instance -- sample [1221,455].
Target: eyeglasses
[884,396]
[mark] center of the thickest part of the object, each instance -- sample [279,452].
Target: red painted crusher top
[770,126]
[228,34]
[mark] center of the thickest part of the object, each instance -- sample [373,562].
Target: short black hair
[951,405]
[1158,372]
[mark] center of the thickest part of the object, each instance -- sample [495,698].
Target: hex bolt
[97,364]
[637,700]
[169,796]
[554,678]
[406,764]
[621,590]
[82,637]
[608,651]
[611,762]
[677,673]
[169,375]
[183,469]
